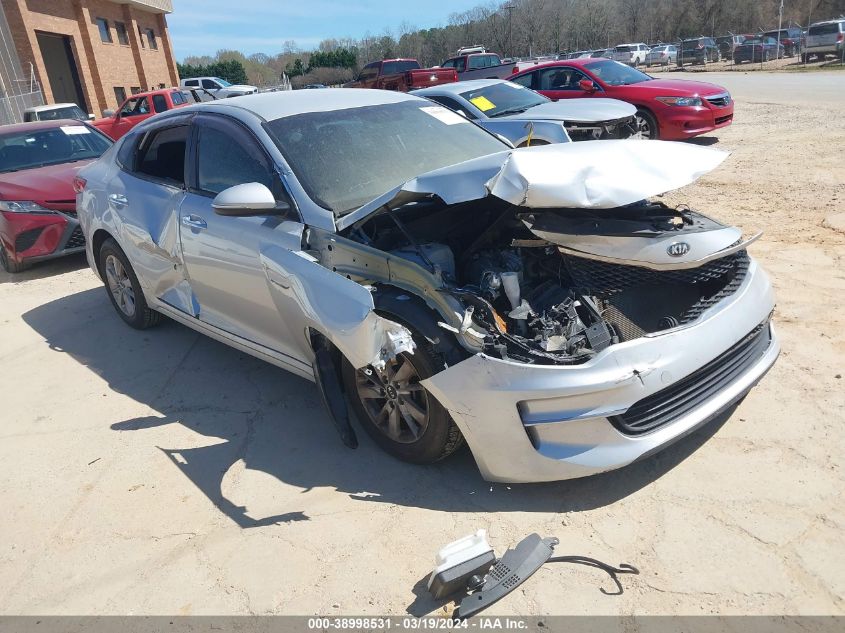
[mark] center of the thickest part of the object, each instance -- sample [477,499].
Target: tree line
[521,28]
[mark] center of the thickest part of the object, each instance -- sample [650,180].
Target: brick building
[92,52]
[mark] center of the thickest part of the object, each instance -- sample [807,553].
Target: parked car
[479,65]
[698,50]
[670,109]
[531,302]
[220,88]
[315,86]
[631,54]
[139,107]
[757,49]
[825,38]
[728,43]
[526,117]
[662,55]
[38,161]
[55,112]
[400,74]
[791,38]
[606,53]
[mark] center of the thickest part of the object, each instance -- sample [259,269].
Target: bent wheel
[124,289]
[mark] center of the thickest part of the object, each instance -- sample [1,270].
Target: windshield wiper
[510,111]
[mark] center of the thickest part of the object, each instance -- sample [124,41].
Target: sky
[202,27]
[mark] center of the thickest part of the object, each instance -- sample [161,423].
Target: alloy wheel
[120,286]
[644,130]
[394,399]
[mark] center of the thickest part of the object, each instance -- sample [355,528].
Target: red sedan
[38,162]
[670,109]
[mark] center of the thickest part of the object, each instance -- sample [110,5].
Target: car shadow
[48,268]
[704,141]
[260,418]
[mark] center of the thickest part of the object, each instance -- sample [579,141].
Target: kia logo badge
[678,249]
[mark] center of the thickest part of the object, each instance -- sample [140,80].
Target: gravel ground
[160,472]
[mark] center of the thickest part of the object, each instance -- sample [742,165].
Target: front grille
[720,101]
[638,300]
[26,240]
[76,239]
[690,392]
[605,279]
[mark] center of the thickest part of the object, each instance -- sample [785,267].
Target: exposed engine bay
[552,286]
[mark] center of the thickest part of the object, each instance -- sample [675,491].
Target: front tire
[646,125]
[397,412]
[9,265]
[123,288]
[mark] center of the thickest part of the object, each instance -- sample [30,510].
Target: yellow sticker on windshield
[482,103]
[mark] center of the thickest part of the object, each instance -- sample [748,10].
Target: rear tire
[396,411]
[11,266]
[123,288]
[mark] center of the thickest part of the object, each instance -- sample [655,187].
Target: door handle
[118,200]
[194,221]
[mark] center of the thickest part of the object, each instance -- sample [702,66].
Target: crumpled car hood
[577,111]
[588,175]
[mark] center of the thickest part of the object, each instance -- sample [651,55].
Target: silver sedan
[525,117]
[663,55]
[533,303]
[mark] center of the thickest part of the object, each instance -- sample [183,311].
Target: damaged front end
[554,256]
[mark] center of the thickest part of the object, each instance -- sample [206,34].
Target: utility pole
[509,8]
[780,23]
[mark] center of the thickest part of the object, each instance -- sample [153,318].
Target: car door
[133,111]
[222,254]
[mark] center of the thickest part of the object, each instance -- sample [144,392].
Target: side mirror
[250,198]
[586,85]
[107,113]
[91,117]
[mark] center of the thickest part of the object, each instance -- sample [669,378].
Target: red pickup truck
[140,107]
[402,75]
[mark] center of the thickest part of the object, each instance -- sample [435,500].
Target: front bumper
[37,237]
[530,423]
[678,123]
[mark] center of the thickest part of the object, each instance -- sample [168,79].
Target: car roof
[34,126]
[51,106]
[277,105]
[458,87]
[560,62]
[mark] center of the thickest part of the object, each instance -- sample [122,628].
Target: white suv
[825,38]
[631,54]
[220,88]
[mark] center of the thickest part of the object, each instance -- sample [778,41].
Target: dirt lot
[161,472]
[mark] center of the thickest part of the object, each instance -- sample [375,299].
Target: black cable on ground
[611,571]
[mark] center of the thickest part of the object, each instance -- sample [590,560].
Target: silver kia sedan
[525,117]
[538,304]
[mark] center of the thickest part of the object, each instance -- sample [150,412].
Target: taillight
[840,37]
[79,184]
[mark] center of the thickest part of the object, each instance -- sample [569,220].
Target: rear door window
[824,29]
[160,103]
[161,155]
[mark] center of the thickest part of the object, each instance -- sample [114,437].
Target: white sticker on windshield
[70,130]
[443,114]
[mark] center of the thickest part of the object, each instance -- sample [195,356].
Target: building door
[62,71]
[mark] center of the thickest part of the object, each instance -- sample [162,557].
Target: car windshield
[624,49]
[391,68]
[616,74]
[69,112]
[503,98]
[51,146]
[345,158]
[753,40]
[222,82]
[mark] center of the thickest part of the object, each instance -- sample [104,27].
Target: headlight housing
[680,101]
[23,206]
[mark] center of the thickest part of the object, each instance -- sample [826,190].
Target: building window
[105,31]
[122,35]
[135,90]
[141,37]
[151,39]
[120,95]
